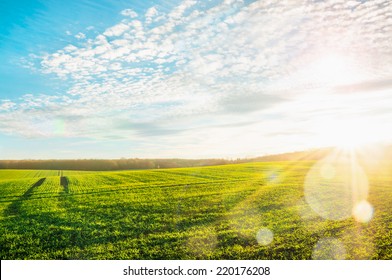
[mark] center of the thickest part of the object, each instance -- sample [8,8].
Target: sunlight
[363,211]
[336,186]
[329,249]
[264,236]
[350,134]
[333,69]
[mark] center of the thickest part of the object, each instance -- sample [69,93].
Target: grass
[219,212]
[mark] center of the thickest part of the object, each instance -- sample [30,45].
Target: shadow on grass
[15,206]
[95,226]
[64,183]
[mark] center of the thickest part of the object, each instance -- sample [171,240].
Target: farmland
[241,211]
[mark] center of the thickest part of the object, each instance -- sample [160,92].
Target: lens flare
[329,249]
[363,211]
[273,176]
[264,236]
[328,171]
[202,244]
[335,185]
[59,127]
[308,216]
[360,245]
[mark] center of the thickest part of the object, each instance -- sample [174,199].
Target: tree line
[108,164]
[136,163]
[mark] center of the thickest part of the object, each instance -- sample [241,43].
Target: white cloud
[116,30]
[179,11]
[129,13]
[223,62]
[6,105]
[151,12]
[80,35]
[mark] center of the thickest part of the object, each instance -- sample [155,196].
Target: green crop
[241,211]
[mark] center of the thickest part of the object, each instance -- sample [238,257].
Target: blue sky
[192,79]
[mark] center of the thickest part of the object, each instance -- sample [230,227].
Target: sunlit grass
[244,211]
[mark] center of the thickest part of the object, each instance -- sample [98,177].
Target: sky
[192,79]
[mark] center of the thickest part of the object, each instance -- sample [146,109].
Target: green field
[241,211]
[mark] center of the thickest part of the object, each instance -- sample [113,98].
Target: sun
[350,134]
[342,126]
[328,69]
[333,69]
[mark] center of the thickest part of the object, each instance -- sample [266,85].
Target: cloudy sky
[192,78]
